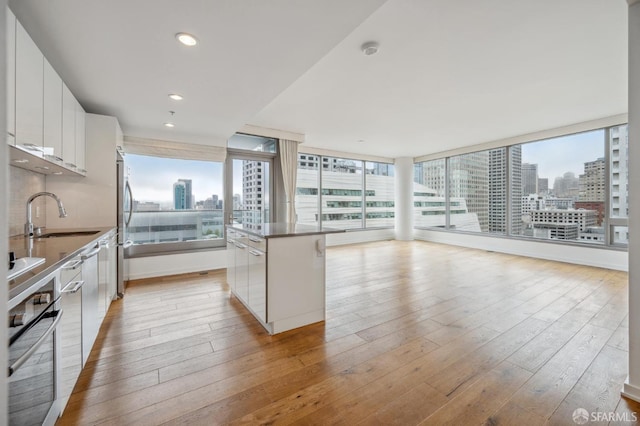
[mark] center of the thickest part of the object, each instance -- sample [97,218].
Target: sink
[66,234]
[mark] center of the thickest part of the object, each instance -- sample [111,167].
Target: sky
[557,156]
[152,178]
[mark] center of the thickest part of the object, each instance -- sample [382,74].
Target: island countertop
[284,229]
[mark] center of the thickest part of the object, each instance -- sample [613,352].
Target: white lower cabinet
[258,283]
[280,280]
[84,288]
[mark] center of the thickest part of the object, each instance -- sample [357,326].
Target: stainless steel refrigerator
[125,211]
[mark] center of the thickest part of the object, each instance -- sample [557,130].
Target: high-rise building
[592,181]
[469,179]
[516,189]
[254,194]
[619,155]
[179,196]
[543,186]
[188,193]
[567,186]
[529,178]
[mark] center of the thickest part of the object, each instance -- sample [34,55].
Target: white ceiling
[448,74]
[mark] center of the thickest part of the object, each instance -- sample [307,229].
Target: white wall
[90,201]
[157,266]
[4,213]
[632,385]
[356,237]
[591,256]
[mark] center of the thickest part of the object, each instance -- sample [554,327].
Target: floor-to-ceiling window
[569,189]
[345,193]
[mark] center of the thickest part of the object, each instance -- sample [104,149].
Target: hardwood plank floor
[416,333]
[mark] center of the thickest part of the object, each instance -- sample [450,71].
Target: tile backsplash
[22,185]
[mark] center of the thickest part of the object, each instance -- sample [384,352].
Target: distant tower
[529,178]
[179,196]
[189,201]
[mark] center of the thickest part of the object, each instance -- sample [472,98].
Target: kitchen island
[277,271]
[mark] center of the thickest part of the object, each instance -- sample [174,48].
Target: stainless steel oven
[32,356]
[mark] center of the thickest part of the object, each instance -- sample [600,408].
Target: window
[478,180]
[429,191]
[334,193]
[563,188]
[252,143]
[175,201]
[379,195]
[342,182]
[572,188]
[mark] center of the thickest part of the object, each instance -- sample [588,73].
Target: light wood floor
[416,333]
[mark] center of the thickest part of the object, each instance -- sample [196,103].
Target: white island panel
[296,281]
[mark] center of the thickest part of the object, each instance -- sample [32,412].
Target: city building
[592,181]
[189,201]
[582,218]
[498,190]
[619,155]
[597,206]
[566,186]
[469,179]
[529,178]
[543,186]
[179,196]
[255,193]
[146,206]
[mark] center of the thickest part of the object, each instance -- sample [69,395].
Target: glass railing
[175,225]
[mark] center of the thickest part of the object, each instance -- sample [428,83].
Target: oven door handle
[18,363]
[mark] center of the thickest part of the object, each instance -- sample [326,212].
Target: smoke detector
[370,48]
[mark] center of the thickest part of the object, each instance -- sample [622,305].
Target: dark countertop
[283,229]
[56,252]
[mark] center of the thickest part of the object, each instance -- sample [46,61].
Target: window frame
[609,223]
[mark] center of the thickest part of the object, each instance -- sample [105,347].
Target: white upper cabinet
[43,116]
[68,127]
[52,114]
[29,92]
[80,139]
[11,77]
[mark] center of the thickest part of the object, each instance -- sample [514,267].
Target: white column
[404,198]
[632,385]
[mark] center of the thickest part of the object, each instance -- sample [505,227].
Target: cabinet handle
[255,240]
[90,254]
[72,264]
[255,252]
[73,166]
[53,157]
[77,285]
[32,147]
[240,246]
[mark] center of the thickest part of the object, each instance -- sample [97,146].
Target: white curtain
[289,162]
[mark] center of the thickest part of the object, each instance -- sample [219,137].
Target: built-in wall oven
[33,319]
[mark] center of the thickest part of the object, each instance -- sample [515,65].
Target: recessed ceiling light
[176,97]
[169,125]
[186,39]
[21,161]
[42,167]
[370,48]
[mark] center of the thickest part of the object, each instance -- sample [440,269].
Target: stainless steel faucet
[28,227]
